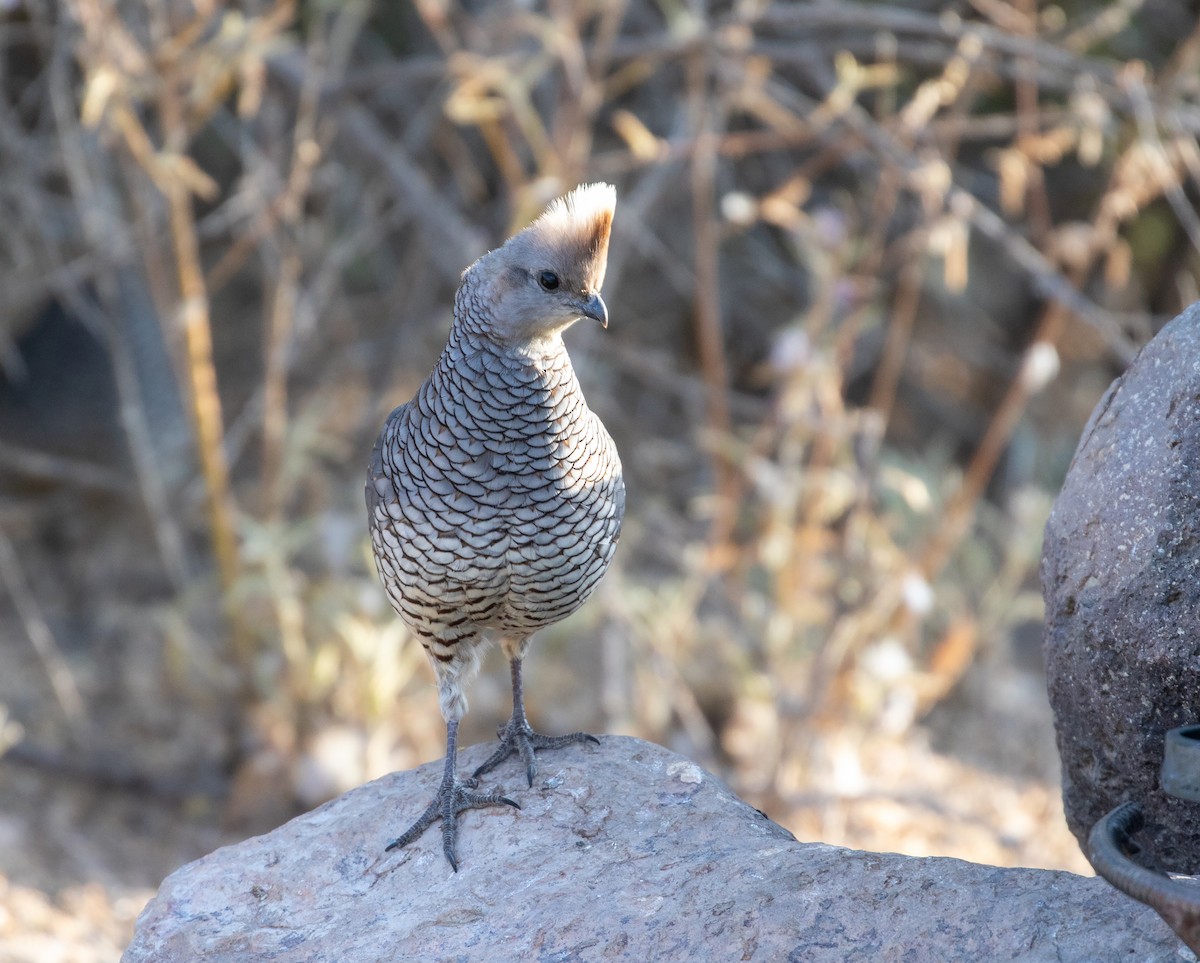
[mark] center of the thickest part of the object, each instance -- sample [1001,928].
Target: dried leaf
[637,136]
[182,168]
[101,86]
[1012,166]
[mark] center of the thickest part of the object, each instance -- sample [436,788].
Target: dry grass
[872,266]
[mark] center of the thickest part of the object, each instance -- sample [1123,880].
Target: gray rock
[1121,579]
[622,852]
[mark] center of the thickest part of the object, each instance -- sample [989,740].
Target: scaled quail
[495,495]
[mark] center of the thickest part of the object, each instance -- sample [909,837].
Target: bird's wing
[619,498]
[379,483]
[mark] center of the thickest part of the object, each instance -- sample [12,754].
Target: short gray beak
[595,308]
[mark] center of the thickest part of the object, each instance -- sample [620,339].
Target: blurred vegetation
[873,264]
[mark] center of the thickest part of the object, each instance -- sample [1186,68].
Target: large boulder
[1121,579]
[623,851]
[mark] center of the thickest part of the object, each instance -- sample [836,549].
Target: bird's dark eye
[548,280]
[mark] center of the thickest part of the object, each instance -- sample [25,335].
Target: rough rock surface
[623,851]
[1121,579]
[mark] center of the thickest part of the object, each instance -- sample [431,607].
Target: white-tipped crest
[577,225]
[587,204]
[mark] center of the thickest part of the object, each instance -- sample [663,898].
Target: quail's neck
[548,351]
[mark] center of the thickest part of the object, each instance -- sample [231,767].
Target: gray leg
[451,799]
[517,736]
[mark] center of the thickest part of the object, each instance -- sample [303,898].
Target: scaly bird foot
[516,736]
[452,798]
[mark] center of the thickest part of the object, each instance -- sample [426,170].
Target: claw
[517,737]
[453,797]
